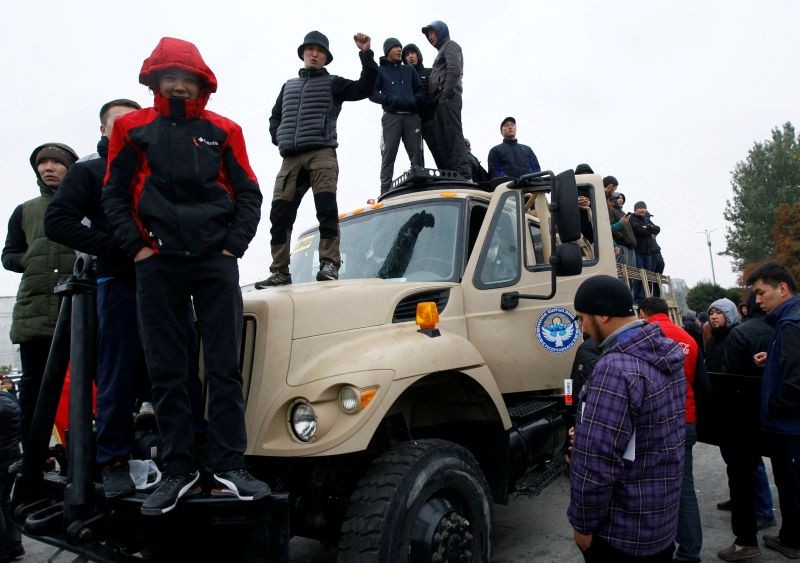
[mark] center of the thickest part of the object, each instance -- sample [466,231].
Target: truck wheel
[424,500]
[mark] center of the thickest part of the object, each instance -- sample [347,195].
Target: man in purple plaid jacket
[627,459]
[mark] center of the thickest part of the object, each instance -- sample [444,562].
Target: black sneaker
[117,480]
[277,278]
[327,271]
[240,484]
[169,492]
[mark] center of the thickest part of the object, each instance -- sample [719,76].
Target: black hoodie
[79,196]
[424,109]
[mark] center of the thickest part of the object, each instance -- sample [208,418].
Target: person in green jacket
[42,264]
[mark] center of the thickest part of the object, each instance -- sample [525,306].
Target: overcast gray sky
[666,96]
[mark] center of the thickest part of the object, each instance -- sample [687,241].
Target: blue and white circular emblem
[556,329]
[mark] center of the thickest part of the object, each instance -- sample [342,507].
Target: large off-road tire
[424,500]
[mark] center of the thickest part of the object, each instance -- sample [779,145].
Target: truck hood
[335,306]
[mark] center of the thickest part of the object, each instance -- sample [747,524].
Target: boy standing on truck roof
[303,127]
[399,90]
[182,200]
[627,459]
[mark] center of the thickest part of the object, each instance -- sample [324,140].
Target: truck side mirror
[568,260]
[565,210]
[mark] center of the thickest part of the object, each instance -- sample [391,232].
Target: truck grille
[406,310]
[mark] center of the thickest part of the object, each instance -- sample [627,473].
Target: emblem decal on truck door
[556,330]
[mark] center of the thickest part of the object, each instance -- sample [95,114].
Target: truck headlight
[303,420]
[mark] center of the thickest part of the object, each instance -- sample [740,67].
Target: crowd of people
[643,390]
[170,202]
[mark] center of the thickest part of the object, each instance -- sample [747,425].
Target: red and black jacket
[178,177]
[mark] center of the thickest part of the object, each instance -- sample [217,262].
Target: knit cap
[583,168]
[389,43]
[604,295]
[639,205]
[57,151]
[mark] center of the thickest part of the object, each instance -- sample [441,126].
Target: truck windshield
[419,242]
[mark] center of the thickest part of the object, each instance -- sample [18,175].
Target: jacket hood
[754,310]
[442,32]
[44,188]
[648,343]
[412,47]
[728,309]
[176,53]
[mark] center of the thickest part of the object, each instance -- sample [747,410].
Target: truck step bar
[536,481]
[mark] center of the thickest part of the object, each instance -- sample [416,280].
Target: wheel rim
[441,532]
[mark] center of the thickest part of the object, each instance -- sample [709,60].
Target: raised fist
[363,41]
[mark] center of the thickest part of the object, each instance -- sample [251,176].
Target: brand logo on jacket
[556,329]
[207,142]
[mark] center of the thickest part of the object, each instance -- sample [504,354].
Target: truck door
[532,346]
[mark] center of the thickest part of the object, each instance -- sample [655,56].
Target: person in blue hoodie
[776,292]
[398,89]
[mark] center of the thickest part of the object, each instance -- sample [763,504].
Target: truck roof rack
[419,179]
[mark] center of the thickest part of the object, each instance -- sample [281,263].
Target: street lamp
[710,255]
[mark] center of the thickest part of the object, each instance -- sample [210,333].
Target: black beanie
[604,295]
[389,43]
[610,180]
[583,168]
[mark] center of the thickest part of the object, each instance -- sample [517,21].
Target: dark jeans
[742,460]
[690,530]
[164,287]
[601,552]
[763,495]
[120,368]
[785,455]
[449,150]
[396,127]
[642,261]
[33,356]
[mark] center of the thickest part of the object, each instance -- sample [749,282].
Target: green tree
[786,233]
[704,294]
[736,294]
[769,177]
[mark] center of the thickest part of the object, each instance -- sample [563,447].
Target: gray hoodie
[728,308]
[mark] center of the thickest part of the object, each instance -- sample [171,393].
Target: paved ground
[536,530]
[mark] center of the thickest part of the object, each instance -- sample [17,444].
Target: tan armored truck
[398,403]
[389,409]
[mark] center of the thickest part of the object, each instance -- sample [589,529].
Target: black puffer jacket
[80,195]
[9,431]
[291,125]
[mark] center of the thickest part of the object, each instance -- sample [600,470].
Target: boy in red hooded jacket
[183,202]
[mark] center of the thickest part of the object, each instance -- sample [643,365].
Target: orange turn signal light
[427,315]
